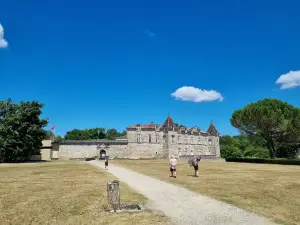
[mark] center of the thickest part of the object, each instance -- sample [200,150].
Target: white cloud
[150,33]
[289,80]
[3,42]
[194,94]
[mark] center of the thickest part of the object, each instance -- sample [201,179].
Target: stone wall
[143,144]
[81,150]
[146,150]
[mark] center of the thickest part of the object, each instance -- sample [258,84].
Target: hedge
[266,161]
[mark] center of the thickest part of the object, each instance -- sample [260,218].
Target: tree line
[87,134]
[268,127]
[93,133]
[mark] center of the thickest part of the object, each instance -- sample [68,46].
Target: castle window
[209,142]
[139,138]
[192,140]
[199,140]
[157,138]
[149,137]
[178,138]
[173,138]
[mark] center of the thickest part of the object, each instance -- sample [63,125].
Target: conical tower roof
[169,122]
[212,130]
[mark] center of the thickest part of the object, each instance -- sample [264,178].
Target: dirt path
[181,205]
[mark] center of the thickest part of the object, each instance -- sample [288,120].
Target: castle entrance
[102,154]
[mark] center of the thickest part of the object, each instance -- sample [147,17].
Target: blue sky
[117,63]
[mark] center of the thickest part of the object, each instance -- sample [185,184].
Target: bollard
[113,194]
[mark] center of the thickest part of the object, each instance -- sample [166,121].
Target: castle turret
[213,140]
[212,131]
[170,144]
[169,123]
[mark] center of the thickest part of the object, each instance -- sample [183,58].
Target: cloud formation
[150,33]
[289,80]
[193,94]
[3,42]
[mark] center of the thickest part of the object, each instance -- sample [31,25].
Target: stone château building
[149,141]
[173,139]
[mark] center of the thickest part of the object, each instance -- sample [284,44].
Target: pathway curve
[181,205]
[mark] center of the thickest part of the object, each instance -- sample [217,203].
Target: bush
[230,151]
[287,150]
[265,161]
[257,152]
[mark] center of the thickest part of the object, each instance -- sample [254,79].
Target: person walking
[195,164]
[173,163]
[106,163]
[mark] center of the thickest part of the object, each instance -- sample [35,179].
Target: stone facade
[148,141]
[171,139]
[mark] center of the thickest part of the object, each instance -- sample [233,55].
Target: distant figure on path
[106,163]
[195,163]
[173,163]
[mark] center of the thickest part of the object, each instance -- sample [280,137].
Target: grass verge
[67,192]
[269,190]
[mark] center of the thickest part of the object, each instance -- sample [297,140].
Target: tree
[268,119]
[226,140]
[256,152]
[59,138]
[86,134]
[111,133]
[48,135]
[230,151]
[21,130]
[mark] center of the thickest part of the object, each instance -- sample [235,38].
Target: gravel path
[181,205]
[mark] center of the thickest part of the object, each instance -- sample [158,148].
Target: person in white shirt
[173,163]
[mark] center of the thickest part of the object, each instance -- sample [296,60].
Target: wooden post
[113,194]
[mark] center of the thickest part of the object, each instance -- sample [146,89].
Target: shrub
[257,152]
[230,151]
[287,150]
[266,161]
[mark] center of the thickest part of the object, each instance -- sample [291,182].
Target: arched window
[149,137]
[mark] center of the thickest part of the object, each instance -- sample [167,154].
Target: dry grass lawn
[63,193]
[269,190]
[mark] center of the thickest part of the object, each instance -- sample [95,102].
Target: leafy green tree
[226,140]
[232,151]
[111,133]
[268,118]
[21,130]
[257,152]
[241,142]
[59,138]
[286,148]
[86,134]
[48,135]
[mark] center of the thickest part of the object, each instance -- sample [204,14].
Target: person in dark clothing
[195,164]
[106,163]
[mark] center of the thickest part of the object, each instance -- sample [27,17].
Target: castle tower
[169,138]
[213,140]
